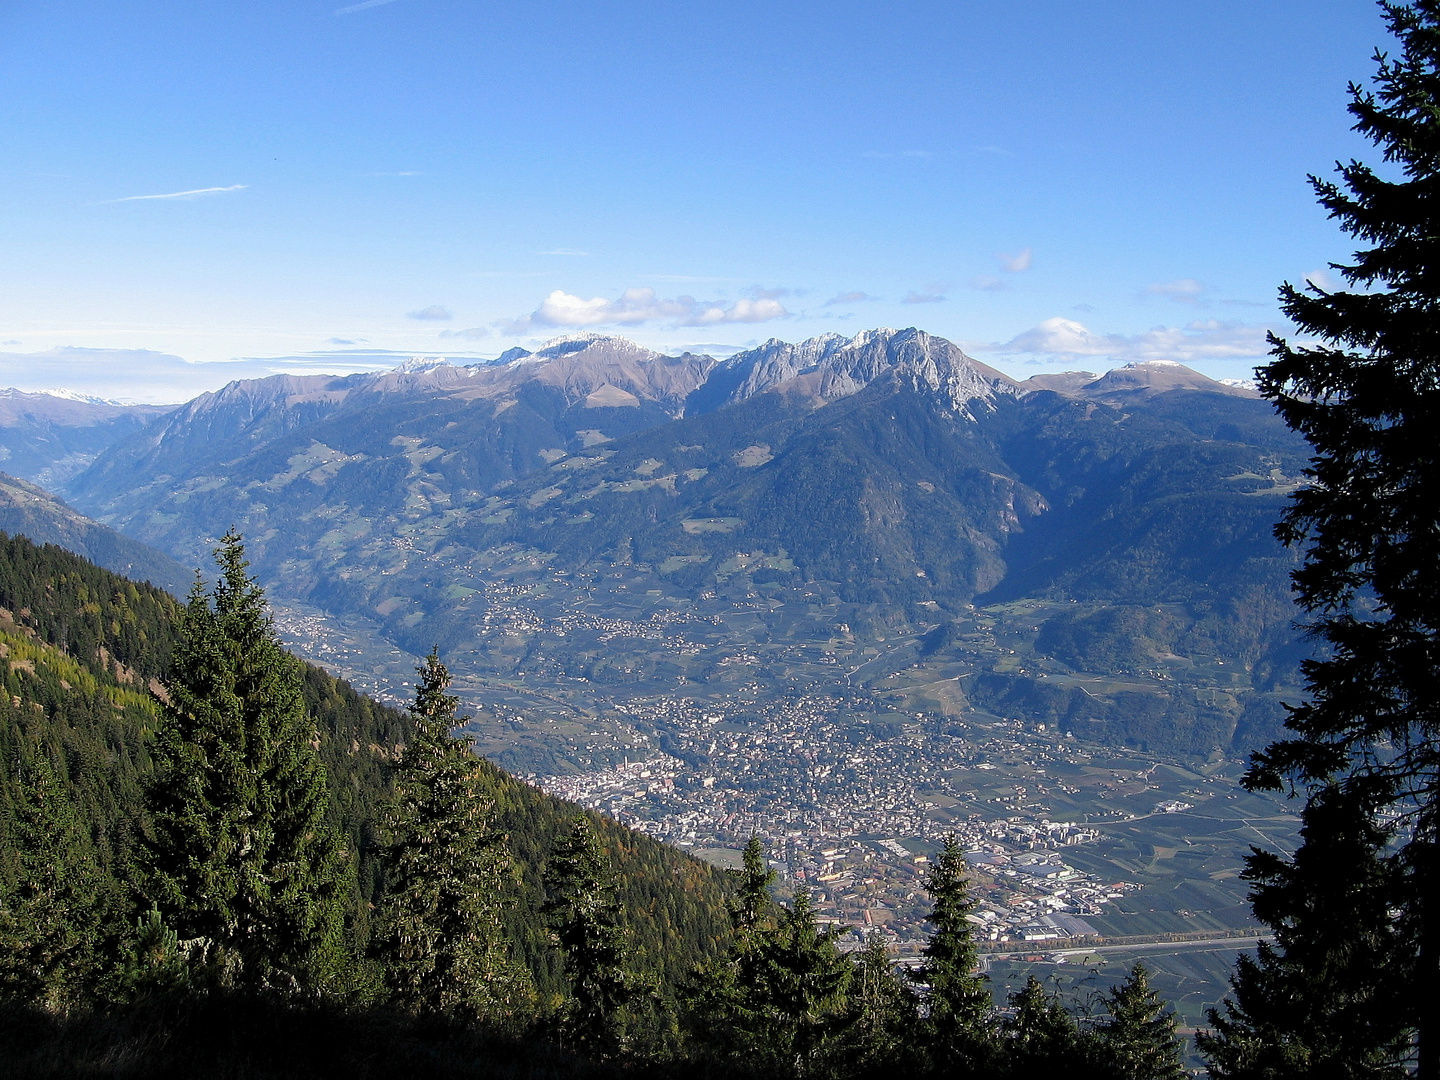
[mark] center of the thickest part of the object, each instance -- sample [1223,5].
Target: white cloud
[987,283]
[756,292]
[474,333]
[637,306]
[194,193]
[850,298]
[366,6]
[882,155]
[433,313]
[1323,280]
[1209,339]
[933,297]
[1017,263]
[1181,290]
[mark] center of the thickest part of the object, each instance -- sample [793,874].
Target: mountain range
[49,437]
[804,503]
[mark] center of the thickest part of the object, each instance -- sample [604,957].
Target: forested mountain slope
[29,510]
[82,652]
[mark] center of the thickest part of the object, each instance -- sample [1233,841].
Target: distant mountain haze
[47,438]
[886,484]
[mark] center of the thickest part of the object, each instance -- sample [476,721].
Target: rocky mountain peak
[831,366]
[1144,379]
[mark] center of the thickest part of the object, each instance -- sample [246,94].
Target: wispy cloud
[637,306]
[474,333]
[366,6]
[1323,280]
[850,298]
[1181,290]
[433,313]
[988,283]
[933,297]
[1208,339]
[194,193]
[343,341]
[1017,263]
[401,172]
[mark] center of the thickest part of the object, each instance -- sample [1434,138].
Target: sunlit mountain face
[596,520]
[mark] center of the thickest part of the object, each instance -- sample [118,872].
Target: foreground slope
[81,652]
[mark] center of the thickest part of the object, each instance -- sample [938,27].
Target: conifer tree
[242,855]
[752,904]
[49,914]
[960,1022]
[584,918]
[1039,1037]
[441,939]
[798,981]
[1366,397]
[720,999]
[883,1014]
[1325,998]
[1138,1039]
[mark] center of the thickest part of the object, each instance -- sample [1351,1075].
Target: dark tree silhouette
[1367,397]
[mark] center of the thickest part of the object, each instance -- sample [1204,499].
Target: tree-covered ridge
[25,508]
[83,651]
[70,603]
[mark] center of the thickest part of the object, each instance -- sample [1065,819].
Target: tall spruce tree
[796,982]
[241,853]
[961,1015]
[49,913]
[1138,1039]
[584,918]
[441,941]
[1039,1037]
[722,1009]
[1367,398]
[1324,998]
[883,1014]
[752,905]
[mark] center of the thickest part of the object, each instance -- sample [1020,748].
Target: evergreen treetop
[241,852]
[1138,1038]
[960,1008]
[1367,398]
[751,907]
[585,920]
[441,938]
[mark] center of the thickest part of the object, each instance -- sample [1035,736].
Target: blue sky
[1052,185]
